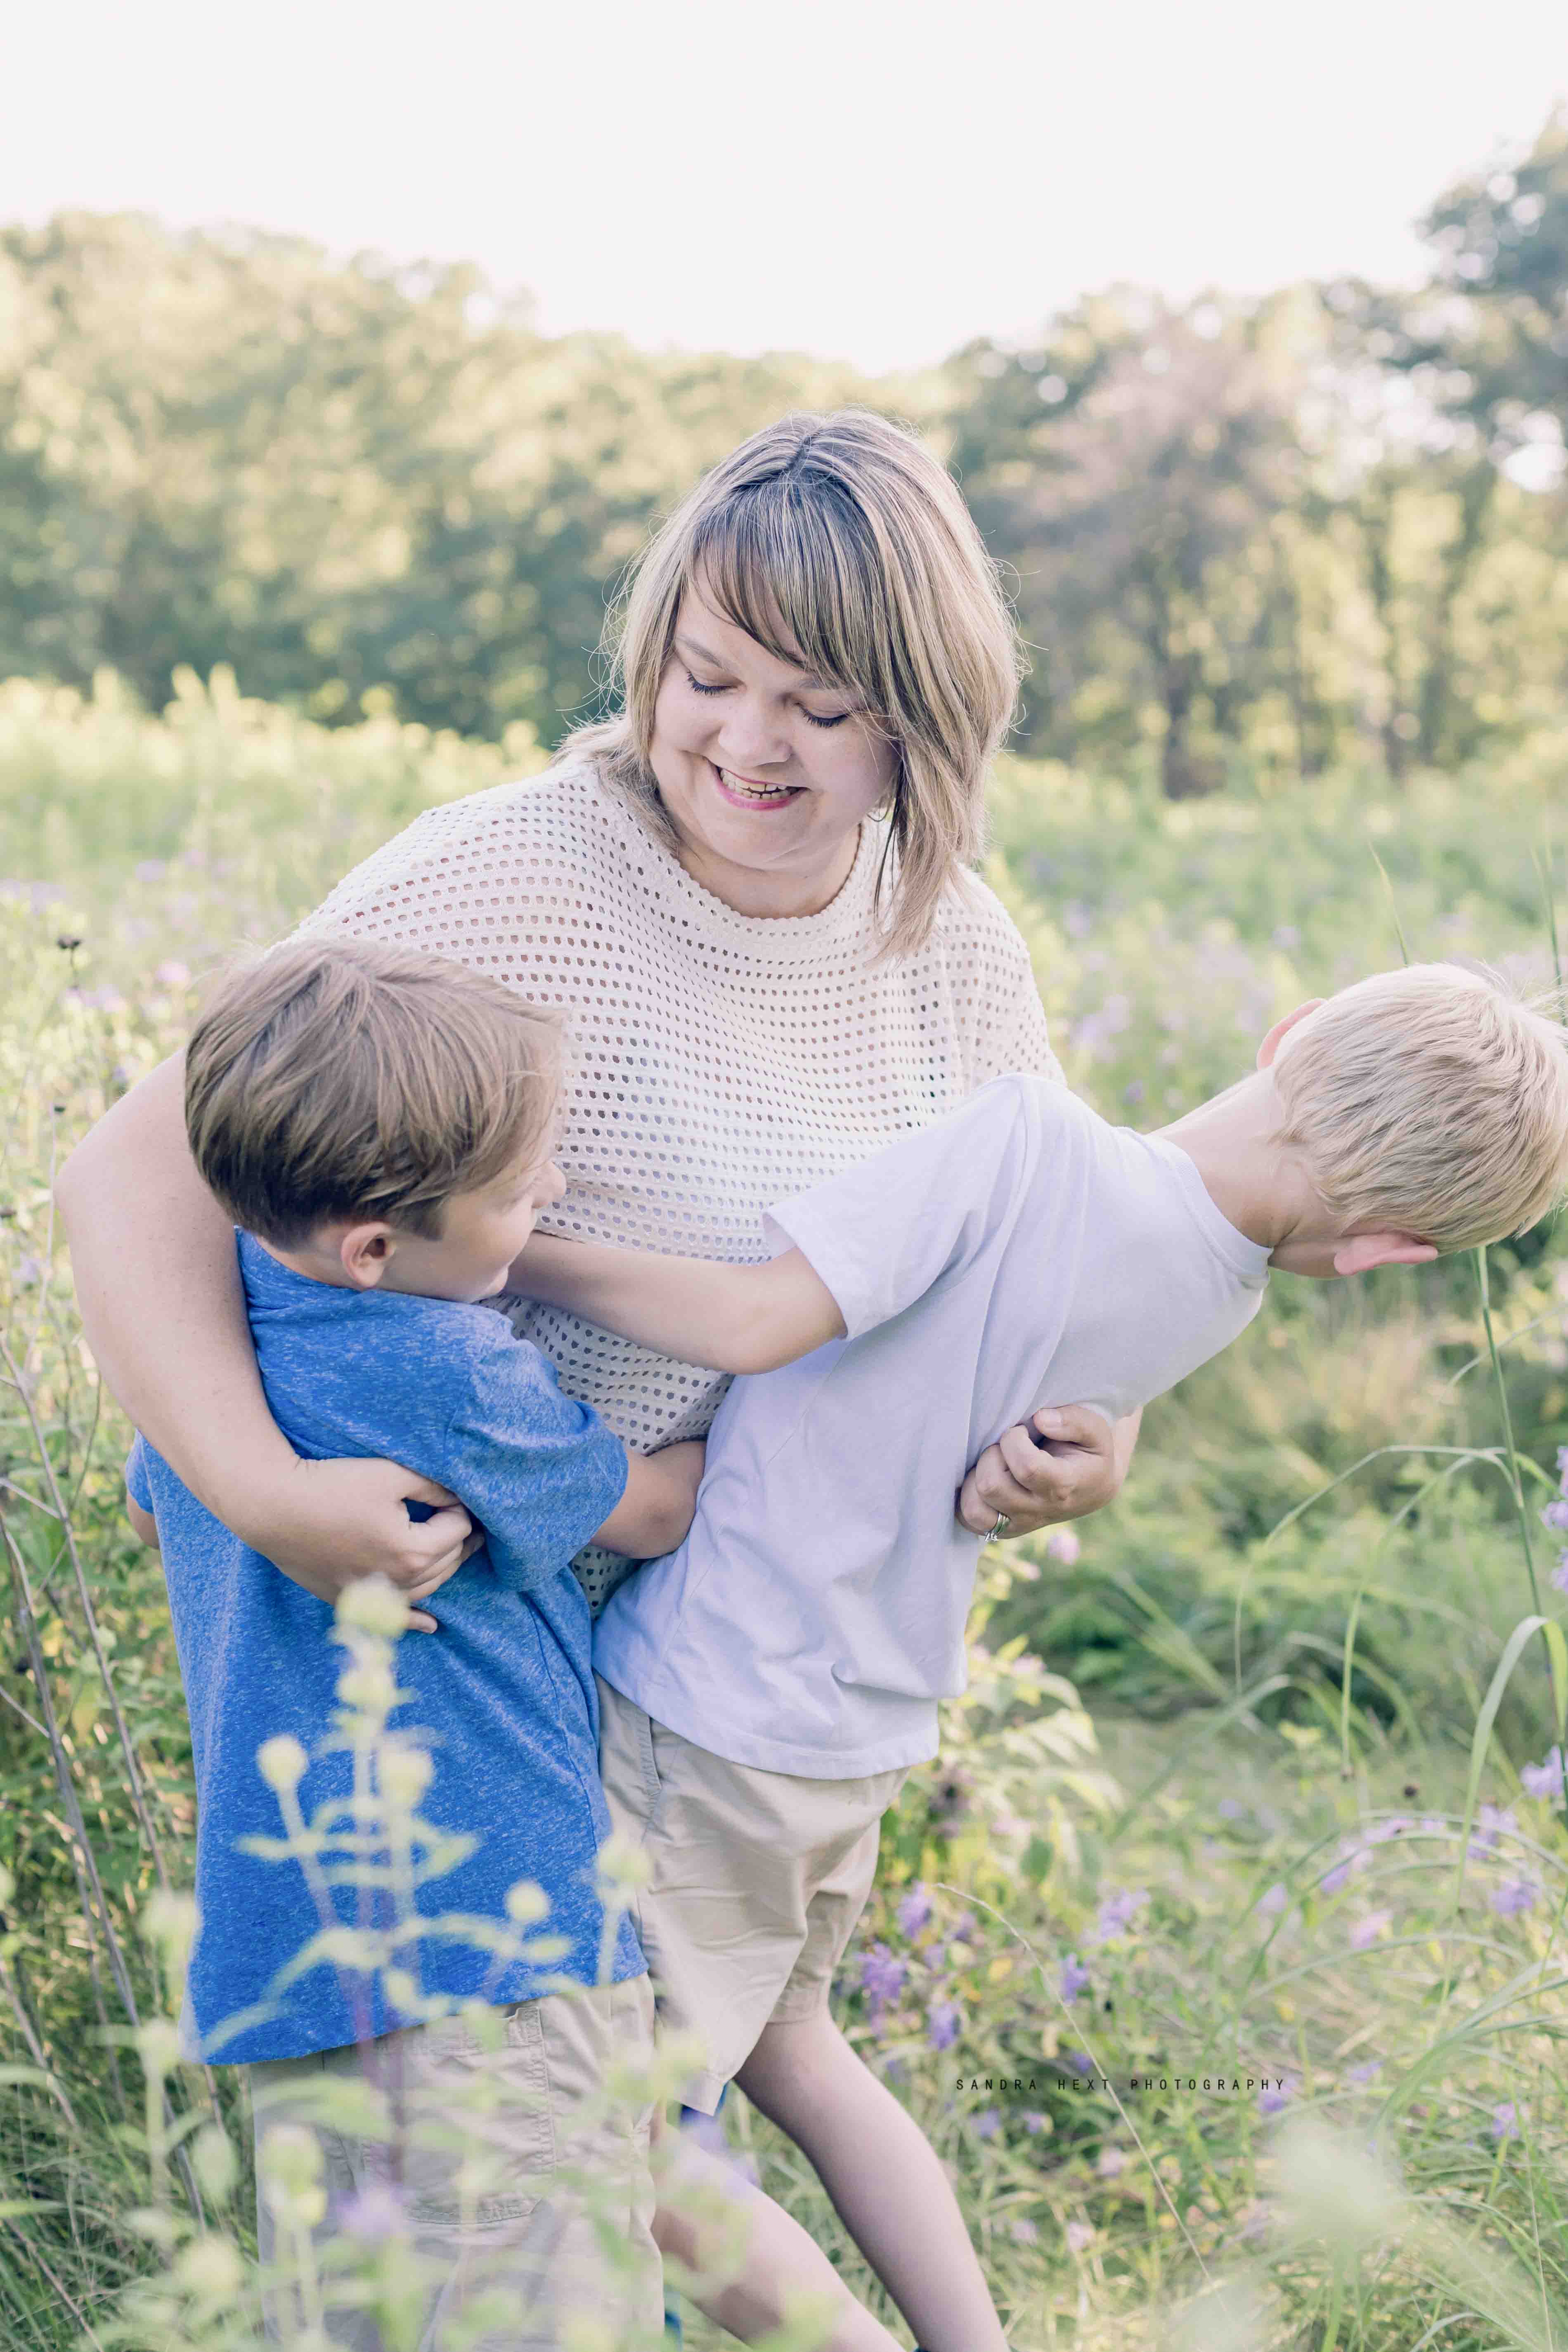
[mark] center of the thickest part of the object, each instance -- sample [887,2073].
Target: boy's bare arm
[656,1511]
[145,1525]
[734,1319]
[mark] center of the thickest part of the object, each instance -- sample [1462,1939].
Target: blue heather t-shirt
[503,1694]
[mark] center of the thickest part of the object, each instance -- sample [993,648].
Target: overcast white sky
[878,180]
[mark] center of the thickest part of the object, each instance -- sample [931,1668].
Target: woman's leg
[883,2175]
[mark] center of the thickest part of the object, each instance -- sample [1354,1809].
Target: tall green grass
[1303,1636]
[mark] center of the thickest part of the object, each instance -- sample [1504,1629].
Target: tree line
[1279,534]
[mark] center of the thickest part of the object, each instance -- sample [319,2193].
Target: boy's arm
[735,1319]
[656,1510]
[145,1525]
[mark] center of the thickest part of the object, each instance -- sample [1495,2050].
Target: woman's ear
[1270,1045]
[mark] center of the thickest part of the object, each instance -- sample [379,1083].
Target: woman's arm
[733,1319]
[161,1301]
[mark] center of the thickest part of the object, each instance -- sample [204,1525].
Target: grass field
[1245,1805]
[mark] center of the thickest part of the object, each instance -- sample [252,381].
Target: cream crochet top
[718,1062]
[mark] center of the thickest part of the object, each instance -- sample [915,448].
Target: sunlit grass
[1286,1655]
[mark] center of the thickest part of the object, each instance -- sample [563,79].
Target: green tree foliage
[1324,526]
[335,479]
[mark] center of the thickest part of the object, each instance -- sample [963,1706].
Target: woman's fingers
[344,1519]
[1061,1466]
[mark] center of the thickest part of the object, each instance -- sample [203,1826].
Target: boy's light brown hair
[332,1080]
[1432,1101]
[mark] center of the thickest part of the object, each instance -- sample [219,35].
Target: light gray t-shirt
[1018,1253]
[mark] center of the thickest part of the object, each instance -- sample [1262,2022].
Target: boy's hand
[1063,1464]
[335,1521]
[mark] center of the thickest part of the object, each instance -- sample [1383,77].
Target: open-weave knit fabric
[717,1062]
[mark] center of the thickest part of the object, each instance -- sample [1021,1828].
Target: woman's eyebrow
[694,645]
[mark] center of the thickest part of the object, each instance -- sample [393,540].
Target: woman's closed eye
[834,719]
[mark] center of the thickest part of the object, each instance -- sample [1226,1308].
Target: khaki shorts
[533,2121]
[757,1880]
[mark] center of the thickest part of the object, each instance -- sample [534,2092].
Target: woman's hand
[1062,1465]
[331,1522]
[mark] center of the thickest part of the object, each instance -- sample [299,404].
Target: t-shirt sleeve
[1006,1024]
[541,1471]
[138,1486]
[882,1232]
[1020,1040]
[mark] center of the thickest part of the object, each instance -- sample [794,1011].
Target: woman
[748,895]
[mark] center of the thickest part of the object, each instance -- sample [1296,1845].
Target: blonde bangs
[841,544]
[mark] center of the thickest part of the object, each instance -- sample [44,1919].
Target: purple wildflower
[1394,1826]
[374,2213]
[1545,1780]
[1116,1915]
[1367,2072]
[942,2019]
[1492,1822]
[173,975]
[1274,1900]
[1075,1977]
[987,2122]
[914,1911]
[1034,2122]
[1079,2235]
[1515,1895]
[1562,1467]
[1367,1931]
[1560,1573]
[1555,1516]
[1275,2096]
[1078,2060]
[882,1975]
[1504,2123]
[1230,1809]
[1109,2162]
[1024,2233]
[1332,1880]
[1064,1546]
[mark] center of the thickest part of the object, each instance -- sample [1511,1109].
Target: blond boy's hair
[1432,1101]
[335,1079]
[840,542]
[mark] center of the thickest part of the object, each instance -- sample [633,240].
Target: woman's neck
[777,891]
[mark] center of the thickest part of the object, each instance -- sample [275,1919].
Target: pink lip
[755,808]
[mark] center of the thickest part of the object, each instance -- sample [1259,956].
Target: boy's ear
[364,1253]
[1270,1045]
[1363,1251]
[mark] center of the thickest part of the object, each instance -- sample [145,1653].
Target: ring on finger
[999,1528]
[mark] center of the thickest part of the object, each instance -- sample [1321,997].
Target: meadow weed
[1222,1951]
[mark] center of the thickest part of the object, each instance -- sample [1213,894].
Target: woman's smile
[752,793]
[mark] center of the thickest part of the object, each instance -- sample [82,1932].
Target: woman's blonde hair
[1431,1101]
[840,543]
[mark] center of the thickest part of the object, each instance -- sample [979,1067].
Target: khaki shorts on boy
[757,1881]
[532,2117]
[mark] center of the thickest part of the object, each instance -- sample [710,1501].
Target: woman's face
[765,771]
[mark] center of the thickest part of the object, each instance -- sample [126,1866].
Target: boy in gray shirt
[764,1688]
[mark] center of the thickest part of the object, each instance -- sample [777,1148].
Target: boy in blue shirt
[378,1124]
